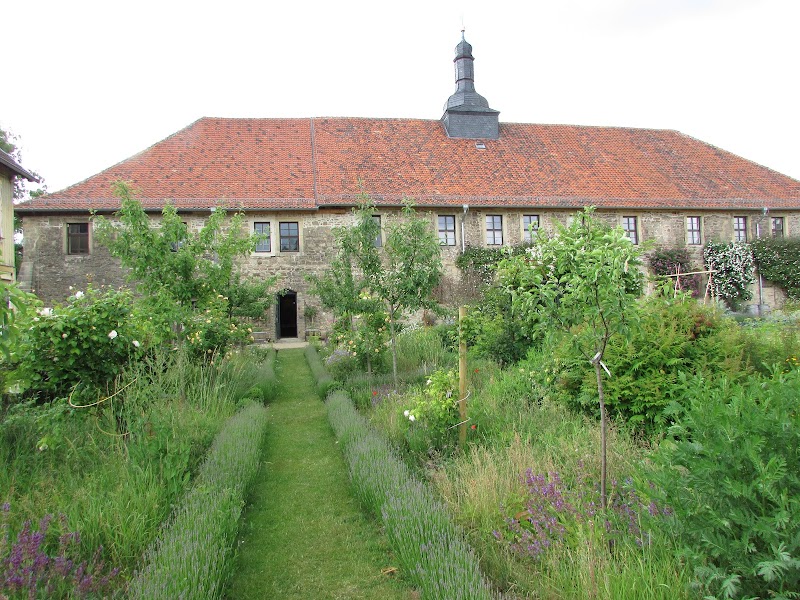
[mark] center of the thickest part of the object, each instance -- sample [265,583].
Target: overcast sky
[89,84]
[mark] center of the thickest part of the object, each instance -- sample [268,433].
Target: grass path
[304,536]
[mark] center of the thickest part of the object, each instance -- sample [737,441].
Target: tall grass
[431,550]
[192,556]
[517,430]
[421,349]
[116,469]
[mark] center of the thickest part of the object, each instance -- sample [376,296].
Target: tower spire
[466,112]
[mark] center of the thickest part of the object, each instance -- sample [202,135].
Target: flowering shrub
[433,410]
[778,260]
[665,262]
[32,568]
[210,333]
[734,268]
[89,341]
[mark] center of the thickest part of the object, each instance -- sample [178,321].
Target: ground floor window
[494,230]
[78,238]
[529,223]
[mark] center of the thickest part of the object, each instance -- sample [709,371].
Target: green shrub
[730,472]
[192,557]
[431,413]
[89,341]
[674,336]
[778,260]
[771,343]
[323,380]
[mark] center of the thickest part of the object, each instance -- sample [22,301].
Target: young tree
[583,282]
[410,269]
[180,271]
[343,288]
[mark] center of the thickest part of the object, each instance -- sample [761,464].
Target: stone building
[483,183]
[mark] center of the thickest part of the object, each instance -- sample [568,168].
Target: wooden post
[462,378]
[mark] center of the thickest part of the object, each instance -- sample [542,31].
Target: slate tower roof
[466,112]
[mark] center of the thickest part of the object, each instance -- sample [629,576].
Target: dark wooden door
[287,314]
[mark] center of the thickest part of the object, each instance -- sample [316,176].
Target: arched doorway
[286,314]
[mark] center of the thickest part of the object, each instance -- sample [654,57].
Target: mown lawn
[304,535]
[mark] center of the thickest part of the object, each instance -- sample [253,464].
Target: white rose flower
[405,413]
[112,334]
[78,295]
[412,418]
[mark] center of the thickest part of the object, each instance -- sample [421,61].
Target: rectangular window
[631,227]
[290,236]
[494,230]
[379,238]
[78,238]
[261,229]
[739,229]
[693,233]
[777,227]
[529,222]
[447,230]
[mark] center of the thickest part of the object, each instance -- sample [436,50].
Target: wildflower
[374,392]
[79,294]
[46,312]
[406,413]
[412,418]
[136,343]
[35,318]
[63,336]
[112,334]
[428,382]
[476,370]
[474,427]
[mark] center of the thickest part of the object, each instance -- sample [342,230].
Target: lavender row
[432,553]
[321,376]
[192,557]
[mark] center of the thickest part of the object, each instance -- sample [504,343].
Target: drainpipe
[463,218]
[764,213]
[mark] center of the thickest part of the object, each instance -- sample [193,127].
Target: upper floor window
[739,229]
[494,230]
[290,236]
[261,229]
[777,227]
[78,238]
[631,227]
[529,223]
[447,230]
[379,238]
[693,232]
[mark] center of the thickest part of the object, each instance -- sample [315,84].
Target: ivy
[778,260]
[735,270]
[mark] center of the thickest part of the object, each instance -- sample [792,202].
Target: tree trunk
[603,426]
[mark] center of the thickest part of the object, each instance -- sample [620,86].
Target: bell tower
[466,112]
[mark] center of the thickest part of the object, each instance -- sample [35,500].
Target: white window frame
[268,241]
[698,231]
[636,235]
[740,234]
[445,233]
[492,241]
[526,233]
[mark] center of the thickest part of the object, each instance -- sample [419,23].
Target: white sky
[89,84]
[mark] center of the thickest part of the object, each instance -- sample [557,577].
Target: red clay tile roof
[308,163]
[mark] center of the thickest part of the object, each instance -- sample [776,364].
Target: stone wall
[54,271]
